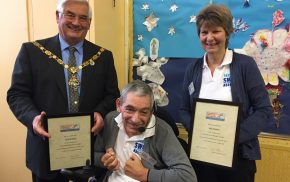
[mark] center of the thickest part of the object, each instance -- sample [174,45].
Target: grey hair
[61,4]
[139,88]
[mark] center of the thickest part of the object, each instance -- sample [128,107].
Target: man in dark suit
[43,79]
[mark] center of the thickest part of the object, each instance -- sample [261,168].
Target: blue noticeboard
[185,43]
[175,29]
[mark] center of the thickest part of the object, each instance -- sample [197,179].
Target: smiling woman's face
[213,39]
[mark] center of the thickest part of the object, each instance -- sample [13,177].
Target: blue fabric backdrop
[184,43]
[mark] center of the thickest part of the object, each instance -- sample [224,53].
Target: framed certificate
[214,132]
[71,143]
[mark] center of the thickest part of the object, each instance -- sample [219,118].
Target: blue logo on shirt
[227,80]
[139,147]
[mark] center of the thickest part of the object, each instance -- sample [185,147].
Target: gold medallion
[74,82]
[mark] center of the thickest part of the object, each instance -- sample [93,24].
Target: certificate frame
[71,143]
[213,136]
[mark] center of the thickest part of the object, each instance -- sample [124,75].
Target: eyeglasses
[72,17]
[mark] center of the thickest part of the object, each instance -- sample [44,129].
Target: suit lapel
[57,70]
[87,53]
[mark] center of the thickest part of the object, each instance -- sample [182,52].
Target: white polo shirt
[218,86]
[125,147]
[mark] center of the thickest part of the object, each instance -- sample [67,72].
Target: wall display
[166,30]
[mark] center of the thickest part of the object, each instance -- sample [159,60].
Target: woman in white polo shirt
[222,74]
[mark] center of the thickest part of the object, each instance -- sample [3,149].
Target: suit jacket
[38,84]
[172,163]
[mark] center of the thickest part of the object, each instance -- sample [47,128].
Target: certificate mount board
[214,132]
[71,143]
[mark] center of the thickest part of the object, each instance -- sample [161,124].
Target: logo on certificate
[215,116]
[69,127]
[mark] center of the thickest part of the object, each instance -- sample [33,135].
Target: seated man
[136,146]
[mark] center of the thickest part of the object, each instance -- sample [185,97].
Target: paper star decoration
[145,6]
[247,3]
[171,30]
[140,37]
[239,25]
[173,8]
[151,22]
[192,19]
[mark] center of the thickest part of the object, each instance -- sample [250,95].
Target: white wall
[12,134]
[110,33]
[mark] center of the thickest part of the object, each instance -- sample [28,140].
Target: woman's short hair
[216,15]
